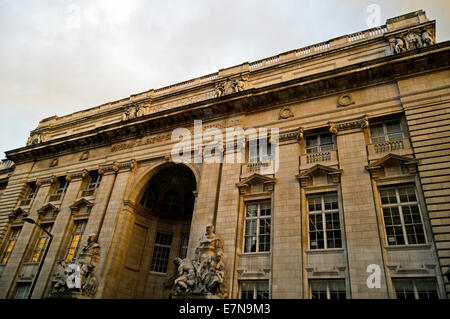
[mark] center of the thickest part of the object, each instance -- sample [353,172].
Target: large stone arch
[151,228]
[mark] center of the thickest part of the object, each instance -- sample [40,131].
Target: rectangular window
[319,143]
[417,288]
[402,217]
[32,190]
[328,289]
[95,180]
[15,231]
[324,223]
[255,289]
[257,226]
[255,147]
[22,290]
[41,243]
[62,186]
[75,241]
[386,131]
[184,245]
[161,252]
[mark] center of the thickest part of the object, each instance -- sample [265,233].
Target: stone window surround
[393,181]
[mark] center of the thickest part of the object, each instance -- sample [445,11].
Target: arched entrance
[164,208]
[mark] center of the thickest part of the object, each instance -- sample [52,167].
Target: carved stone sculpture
[427,38]
[412,40]
[36,138]
[219,90]
[205,274]
[86,264]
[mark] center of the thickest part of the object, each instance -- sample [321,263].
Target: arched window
[171,203]
[148,199]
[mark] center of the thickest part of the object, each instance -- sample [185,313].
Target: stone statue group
[205,274]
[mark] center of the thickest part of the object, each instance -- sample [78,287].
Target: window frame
[386,134]
[399,206]
[76,248]
[252,158]
[94,181]
[41,243]
[258,219]
[63,184]
[328,289]
[414,286]
[155,263]
[11,243]
[32,191]
[323,213]
[319,145]
[254,289]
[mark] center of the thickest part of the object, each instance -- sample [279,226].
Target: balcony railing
[380,149]
[324,158]
[258,167]
[388,146]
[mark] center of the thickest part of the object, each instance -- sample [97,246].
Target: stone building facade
[358,207]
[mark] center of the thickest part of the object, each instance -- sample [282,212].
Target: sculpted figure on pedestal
[206,273]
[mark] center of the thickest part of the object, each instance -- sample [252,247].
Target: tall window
[95,180]
[319,143]
[257,146]
[255,289]
[328,289]
[62,185]
[257,226]
[402,218]
[184,245]
[75,241]
[32,190]
[15,231]
[42,243]
[161,252]
[386,131]
[418,288]
[324,224]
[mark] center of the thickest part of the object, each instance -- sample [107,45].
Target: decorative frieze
[412,39]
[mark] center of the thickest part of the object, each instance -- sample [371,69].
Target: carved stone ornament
[36,137]
[231,86]
[346,100]
[134,111]
[285,113]
[205,274]
[412,40]
[54,162]
[77,277]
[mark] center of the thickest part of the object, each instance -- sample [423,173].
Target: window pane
[393,127]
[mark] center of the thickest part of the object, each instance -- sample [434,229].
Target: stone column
[114,232]
[361,227]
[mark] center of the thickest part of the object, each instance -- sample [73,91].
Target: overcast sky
[59,57]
